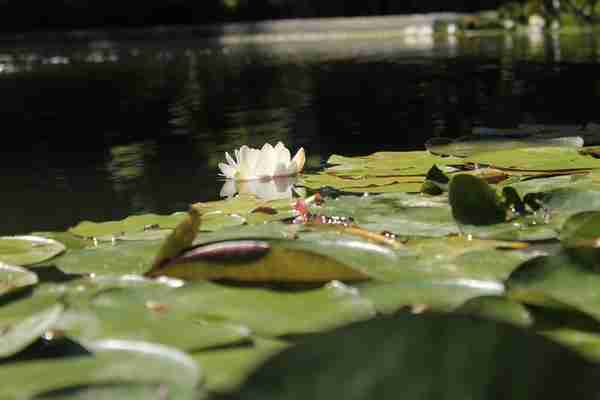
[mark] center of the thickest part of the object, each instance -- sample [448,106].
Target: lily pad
[581,228]
[401,213]
[364,184]
[273,313]
[107,259]
[12,278]
[227,369]
[476,144]
[148,319]
[15,335]
[279,261]
[425,356]
[111,361]
[547,159]
[127,391]
[28,250]
[557,281]
[433,294]
[498,309]
[386,164]
[131,224]
[474,202]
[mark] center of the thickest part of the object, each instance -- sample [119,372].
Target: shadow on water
[103,129]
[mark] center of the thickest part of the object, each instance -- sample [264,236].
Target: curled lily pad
[181,238]
[111,361]
[259,260]
[474,202]
[28,250]
[16,334]
[12,278]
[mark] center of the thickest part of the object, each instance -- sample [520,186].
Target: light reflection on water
[152,119]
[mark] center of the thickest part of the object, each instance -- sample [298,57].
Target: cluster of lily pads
[189,305]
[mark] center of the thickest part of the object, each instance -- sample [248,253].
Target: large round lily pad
[425,357]
[28,250]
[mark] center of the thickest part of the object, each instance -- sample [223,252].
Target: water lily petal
[230,160]
[299,160]
[266,165]
[227,170]
[283,154]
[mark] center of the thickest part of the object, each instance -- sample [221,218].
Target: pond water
[101,129]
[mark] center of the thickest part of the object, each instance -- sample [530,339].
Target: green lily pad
[128,257]
[317,260]
[227,369]
[70,241]
[558,281]
[112,361]
[15,335]
[401,213]
[498,309]
[127,391]
[385,164]
[425,356]
[154,323]
[433,294]
[131,224]
[581,228]
[547,159]
[28,250]
[476,144]
[587,344]
[364,184]
[474,202]
[273,313]
[218,220]
[13,278]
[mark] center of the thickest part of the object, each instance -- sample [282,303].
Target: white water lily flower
[268,162]
[272,189]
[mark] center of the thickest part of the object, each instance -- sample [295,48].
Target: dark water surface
[100,130]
